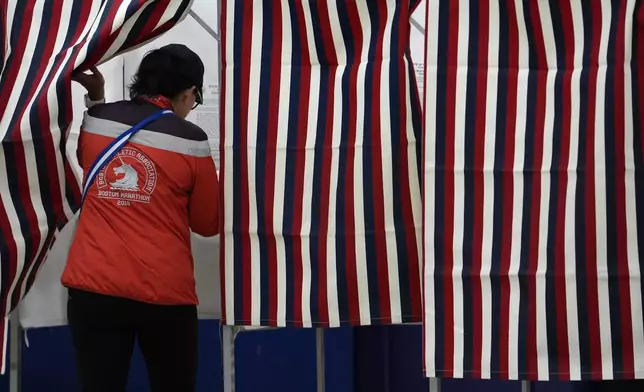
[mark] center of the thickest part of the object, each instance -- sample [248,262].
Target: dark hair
[161,72]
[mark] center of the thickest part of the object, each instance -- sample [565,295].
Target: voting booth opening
[453,187]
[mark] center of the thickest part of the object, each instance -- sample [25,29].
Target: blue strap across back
[113,148]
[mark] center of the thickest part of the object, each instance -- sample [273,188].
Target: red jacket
[133,237]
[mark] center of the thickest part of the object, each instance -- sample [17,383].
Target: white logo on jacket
[130,176]
[130,179]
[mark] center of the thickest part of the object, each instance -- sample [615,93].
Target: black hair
[160,73]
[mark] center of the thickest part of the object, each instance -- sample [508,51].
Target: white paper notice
[417,44]
[207,120]
[419,70]
[206,117]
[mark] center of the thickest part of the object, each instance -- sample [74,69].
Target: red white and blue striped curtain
[42,43]
[534,189]
[320,164]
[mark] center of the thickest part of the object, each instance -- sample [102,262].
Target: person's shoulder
[184,128]
[130,113]
[105,109]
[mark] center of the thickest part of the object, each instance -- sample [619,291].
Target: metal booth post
[15,351]
[434,385]
[320,359]
[228,353]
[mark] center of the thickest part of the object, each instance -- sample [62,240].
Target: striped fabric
[42,43]
[534,189]
[320,164]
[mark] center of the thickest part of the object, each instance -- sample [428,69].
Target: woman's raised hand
[94,83]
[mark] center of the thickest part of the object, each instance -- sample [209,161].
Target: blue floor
[273,360]
[369,359]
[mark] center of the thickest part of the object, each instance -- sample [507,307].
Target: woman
[130,270]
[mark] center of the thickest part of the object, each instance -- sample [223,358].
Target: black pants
[104,329]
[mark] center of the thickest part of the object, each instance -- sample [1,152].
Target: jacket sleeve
[203,206]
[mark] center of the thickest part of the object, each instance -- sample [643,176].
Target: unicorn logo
[130,179]
[119,180]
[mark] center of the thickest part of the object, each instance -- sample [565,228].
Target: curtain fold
[43,44]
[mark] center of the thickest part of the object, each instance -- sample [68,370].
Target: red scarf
[158,100]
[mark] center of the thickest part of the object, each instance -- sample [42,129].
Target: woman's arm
[94,83]
[203,207]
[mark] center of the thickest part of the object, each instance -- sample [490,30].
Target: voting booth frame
[229,333]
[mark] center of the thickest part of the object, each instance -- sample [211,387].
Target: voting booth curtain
[320,164]
[42,44]
[532,209]
[534,189]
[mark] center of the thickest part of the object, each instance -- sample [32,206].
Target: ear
[186,94]
[183,96]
